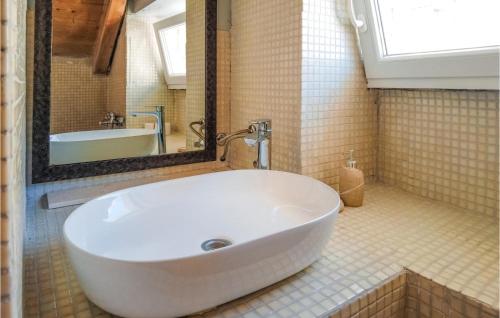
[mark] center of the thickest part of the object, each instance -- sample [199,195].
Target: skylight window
[421,26]
[429,43]
[171,38]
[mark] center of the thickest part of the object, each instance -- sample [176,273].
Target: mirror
[130,85]
[136,104]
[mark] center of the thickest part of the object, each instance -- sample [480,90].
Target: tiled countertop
[371,244]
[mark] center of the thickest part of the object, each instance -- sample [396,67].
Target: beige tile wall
[195,66]
[442,145]
[297,63]
[12,153]
[265,77]
[338,111]
[78,96]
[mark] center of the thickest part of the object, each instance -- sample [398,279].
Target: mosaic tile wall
[12,153]
[442,145]
[195,66]
[338,111]
[79,97]
[297,63]
[265,77]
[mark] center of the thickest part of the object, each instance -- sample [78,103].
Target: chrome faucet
[158,114]
[261,137]
[257,134]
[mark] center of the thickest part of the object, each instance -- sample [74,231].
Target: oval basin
[181,246]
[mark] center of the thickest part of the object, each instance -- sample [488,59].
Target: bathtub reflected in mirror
[95,145]
[143,95]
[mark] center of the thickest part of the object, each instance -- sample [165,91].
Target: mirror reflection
[126,82]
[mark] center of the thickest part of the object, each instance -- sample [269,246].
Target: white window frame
[173,82]
[464,69]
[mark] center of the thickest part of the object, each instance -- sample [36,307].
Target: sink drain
[213,244]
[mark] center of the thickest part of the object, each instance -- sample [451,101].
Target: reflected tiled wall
[338,111]
[146,86]
[117,77]
[78,96]
[442,145]
[12,152]
[177,97]
[265,77]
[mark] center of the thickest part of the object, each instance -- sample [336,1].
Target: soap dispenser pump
[352,183]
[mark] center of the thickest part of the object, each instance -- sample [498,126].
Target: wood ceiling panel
[75,24]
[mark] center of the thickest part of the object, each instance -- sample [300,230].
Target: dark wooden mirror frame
[42,171]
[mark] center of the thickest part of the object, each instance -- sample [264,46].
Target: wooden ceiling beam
[109,30]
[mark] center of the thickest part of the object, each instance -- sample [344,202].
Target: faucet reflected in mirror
[258,134]
[199,132]
[158,114]
[111,120]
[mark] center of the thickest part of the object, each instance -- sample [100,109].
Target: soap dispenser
[352,183]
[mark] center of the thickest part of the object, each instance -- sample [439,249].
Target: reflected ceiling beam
[109,30]
[138,5]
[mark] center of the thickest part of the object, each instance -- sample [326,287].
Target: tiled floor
[370,245]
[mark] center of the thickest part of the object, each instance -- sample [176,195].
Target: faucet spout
[158,114]
[257,134]
[225,140]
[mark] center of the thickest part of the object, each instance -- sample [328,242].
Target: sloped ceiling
[75,25]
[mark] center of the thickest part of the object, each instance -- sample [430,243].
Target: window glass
[419,26]
[173,41]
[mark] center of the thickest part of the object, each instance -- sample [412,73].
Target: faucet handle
[260,121]
[262,125]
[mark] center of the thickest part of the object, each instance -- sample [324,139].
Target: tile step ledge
[411,295]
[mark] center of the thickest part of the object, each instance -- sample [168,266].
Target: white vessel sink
[181,246]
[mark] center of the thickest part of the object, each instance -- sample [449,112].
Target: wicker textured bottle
[352,183]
